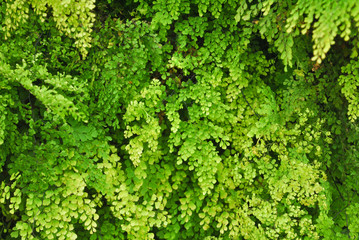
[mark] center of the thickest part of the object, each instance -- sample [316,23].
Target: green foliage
[350,84]
[179,119]
[74,18]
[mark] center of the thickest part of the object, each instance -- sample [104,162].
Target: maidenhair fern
[186,120]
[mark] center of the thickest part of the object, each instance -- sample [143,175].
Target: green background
[179,119]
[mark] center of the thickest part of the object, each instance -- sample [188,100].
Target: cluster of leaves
[179,119]
[73,18]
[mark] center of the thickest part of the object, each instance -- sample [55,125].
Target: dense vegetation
[179,119]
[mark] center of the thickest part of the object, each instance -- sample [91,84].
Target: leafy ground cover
[178,119]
